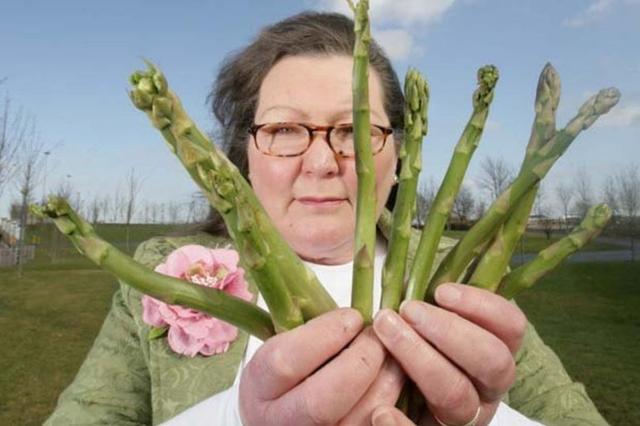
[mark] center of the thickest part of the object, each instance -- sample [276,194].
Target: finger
[389,416]
[285,360]
[483,356]
[331,392]
[448,392]
[490,311]
[385,390]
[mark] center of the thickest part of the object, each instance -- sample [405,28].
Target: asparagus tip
[487,78]
[600,214]
[549,84]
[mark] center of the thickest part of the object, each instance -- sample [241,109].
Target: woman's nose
[320,158]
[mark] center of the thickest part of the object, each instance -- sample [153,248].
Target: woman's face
[312,198]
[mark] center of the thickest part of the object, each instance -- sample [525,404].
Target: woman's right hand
[319,373]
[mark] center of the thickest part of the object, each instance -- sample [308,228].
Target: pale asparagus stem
[244,315]
[416,92]
[532,171]
[546,104]
[365,233]
[493,264]
[443,202]
[548,259]
[286,284]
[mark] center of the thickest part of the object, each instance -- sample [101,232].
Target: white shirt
[222,408]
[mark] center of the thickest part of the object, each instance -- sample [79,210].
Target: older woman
[284,103]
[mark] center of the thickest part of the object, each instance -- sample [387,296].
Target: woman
[465,355]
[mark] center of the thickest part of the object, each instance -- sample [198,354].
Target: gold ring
[471,422]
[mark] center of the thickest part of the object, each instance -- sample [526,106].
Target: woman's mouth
[321,201]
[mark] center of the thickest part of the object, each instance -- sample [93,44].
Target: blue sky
[67,63]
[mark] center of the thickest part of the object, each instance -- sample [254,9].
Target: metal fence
[9,255]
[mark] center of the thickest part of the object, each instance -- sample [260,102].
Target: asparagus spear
[416,92]
[495,259]
[528,274]
[494,262]
[365,233]
[534,168]
[442,204]
[244,315]
[291,291]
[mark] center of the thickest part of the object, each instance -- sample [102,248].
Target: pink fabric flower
[192,332]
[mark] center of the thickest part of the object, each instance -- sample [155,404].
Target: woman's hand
[323,372]
[460,353]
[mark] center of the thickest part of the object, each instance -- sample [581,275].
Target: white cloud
[397,12]
[397,43]
[627,115]
[595,11]
[394,20]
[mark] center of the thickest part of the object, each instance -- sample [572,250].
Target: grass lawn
[48,320]
[534,242]
[587,312]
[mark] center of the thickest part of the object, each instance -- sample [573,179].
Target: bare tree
[628,195]
[11,132]
[29,172]
[495,177]
[173,210]
[610,194]
[198,208]
[539,204]
[95,210]
[424,197]
[583,192]
[463,204]
[564,193]
[118,206]
[481,208]
[65,189]
[133,184]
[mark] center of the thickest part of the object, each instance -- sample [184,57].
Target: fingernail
[383,418]
[413,312]
[447,294]
[351,319]
[386,323]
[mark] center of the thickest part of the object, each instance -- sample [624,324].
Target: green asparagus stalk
[495,260]
[493,264]
[244,315]
[365,233]
[533,170]
[443,202]
[528,274]
[416,91]
[291,291]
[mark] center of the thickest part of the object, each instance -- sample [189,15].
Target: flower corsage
[188,331]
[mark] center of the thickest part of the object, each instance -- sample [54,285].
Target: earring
[395,179]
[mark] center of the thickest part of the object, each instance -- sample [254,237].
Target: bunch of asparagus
[292,292]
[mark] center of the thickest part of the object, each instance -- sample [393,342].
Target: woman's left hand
[460,353]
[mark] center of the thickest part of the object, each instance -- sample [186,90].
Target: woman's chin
[323,242]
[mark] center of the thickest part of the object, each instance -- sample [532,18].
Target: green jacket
[128,380]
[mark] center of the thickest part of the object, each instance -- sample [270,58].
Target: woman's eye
[282,130]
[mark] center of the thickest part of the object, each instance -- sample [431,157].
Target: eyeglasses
[293,139]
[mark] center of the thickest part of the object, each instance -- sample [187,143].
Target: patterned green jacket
[128,380]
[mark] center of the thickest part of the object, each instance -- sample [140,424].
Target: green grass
[534,242]
[48,320]
[588,313]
